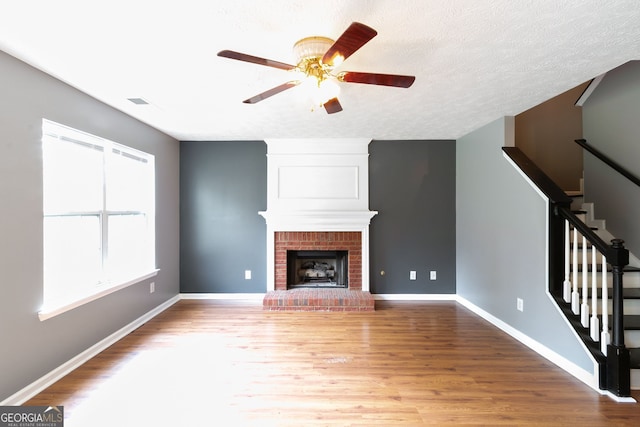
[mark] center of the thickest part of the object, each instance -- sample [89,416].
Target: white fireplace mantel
[318,185]
[318,220]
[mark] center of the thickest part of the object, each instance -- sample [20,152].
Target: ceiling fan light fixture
[316,58]
[311,47]
[319,83]
[337,60]
[320,91]
[327,89]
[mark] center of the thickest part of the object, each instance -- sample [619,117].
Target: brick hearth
[318,300]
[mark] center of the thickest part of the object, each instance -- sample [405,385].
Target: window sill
[51,311]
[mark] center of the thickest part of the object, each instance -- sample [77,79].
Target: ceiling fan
[316,59]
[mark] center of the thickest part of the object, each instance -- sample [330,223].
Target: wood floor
[213,363]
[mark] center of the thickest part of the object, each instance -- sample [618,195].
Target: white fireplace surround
[316,184]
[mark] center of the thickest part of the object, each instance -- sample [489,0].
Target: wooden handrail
[615,372]
[535,174]
[585,230]
[615,166]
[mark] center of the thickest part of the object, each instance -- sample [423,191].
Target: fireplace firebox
[317,269]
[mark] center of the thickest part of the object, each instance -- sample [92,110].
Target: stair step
[580,247]
[627,269]
[635,358]
[632,339]
[627,293]
[631,322]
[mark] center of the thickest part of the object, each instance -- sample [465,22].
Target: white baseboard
[260,296]
[589,378]
[220,296]
[415,297]
[42,383]
[382,297]
[586,377]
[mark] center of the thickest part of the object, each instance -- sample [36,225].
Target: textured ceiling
[474,60]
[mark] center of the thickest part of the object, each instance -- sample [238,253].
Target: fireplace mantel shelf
[318,220]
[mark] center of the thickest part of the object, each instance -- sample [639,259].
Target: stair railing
[606,159]
[586,308]
[622,354]
[590,311]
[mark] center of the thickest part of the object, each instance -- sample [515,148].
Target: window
[98,199]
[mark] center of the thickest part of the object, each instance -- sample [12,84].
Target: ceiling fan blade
[255,59]
[376,79]
[350,41]
[273,91]
[333,106]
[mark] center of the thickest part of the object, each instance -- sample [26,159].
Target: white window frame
[104,285]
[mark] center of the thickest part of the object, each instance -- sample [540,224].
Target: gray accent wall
[501,243]
[412,186]
[32,348]
[611,120]
[223,187]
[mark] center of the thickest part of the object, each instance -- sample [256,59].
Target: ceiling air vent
[138,101]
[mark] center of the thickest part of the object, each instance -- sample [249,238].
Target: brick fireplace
[317,199]
[350,241]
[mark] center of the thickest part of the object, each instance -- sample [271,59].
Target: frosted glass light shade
[311,47]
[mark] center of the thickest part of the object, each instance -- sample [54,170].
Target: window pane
[129,246]
[98,199]
[72,255]
[128,183]
[72,177]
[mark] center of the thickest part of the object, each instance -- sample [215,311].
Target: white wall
[30,348]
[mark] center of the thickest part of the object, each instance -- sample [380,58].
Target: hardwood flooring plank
[419,363]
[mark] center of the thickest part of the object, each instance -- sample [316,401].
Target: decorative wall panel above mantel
[317,175]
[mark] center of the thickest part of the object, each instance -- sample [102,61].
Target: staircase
[631,291]
[589,293]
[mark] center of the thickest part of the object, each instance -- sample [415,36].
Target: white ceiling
[474,60]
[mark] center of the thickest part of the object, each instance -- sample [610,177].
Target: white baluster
[566,285]
[575,296]
[584,307]
[595,323]
[605,336]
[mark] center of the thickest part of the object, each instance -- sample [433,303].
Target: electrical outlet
[247,274]
[412,275]
[152,287]
[432,275]
[520,304]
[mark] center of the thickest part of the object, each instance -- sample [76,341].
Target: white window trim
[47,312]
[105,286]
